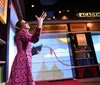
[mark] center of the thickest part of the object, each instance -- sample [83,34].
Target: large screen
[96,42]
[53,61]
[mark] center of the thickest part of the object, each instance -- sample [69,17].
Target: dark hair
[17,28]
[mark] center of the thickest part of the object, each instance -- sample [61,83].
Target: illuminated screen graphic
[96,42]
[46,66]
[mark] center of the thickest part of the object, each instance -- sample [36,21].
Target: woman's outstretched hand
[40,19]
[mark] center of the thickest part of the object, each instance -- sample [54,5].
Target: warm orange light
[48,18]
[64,17]
[89,24]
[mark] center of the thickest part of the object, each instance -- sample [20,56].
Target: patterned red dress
[21,71]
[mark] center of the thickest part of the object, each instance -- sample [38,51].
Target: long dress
[21,71]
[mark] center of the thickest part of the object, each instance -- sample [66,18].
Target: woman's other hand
[40,19]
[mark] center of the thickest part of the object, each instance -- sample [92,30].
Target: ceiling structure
[30,8]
